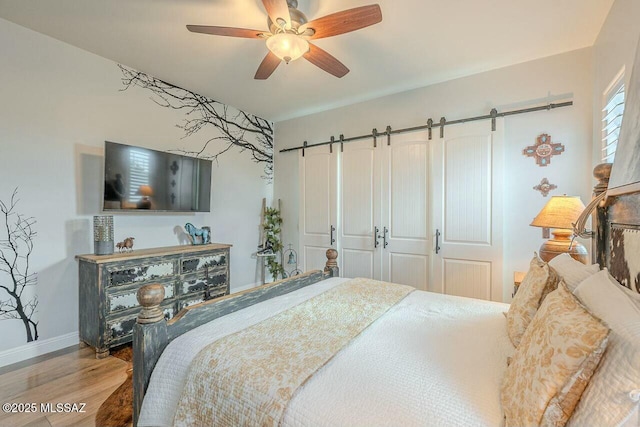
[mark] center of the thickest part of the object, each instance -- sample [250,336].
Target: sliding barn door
[360,192]
[318,206]
[467,211]
[405,210]
[376,199]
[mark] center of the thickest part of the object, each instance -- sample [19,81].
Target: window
[612,117]
[139,173]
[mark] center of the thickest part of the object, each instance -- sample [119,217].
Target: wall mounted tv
[143,180]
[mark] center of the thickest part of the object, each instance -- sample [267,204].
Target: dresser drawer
[187,303]
[119,276]
[199,283]
[200,263]
[124,300]
[122,327]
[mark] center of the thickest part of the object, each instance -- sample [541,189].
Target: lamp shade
[559,212]
[145,190]
[287,47]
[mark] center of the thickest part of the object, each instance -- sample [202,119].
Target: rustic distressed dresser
[108,286]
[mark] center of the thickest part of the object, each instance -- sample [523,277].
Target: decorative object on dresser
[108,287]
[544,187]
[560,213]
[199,236]
[126,245]
[103,235]
[543,149]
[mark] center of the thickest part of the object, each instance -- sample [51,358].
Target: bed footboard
[152,333]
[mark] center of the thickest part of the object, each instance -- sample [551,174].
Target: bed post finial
[150,297]
[602,172]
[332,265]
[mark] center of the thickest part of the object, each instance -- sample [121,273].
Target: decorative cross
[174,167]
[543,149]
[544,187]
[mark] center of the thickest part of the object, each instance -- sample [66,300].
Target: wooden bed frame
[152,333]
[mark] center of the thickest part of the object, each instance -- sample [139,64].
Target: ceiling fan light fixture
[287,46]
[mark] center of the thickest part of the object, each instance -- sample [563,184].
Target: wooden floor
[70,376]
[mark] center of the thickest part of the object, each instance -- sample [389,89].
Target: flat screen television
[144,180]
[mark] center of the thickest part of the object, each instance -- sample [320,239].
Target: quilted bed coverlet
[249,377]
[431,359]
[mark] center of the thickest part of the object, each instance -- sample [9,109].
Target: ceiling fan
[290,31]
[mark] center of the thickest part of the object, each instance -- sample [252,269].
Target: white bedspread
[432,360]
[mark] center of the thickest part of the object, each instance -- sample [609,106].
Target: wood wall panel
[357,192]
[317,193]
[409,196]
[467,210]
[408,269]
[467,278]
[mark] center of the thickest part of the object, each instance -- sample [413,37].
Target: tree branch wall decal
[237,128]
[16,248]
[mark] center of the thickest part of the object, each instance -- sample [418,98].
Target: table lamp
[146,192]
[559,214]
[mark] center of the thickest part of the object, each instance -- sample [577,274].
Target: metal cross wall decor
[544,187]
[543,149]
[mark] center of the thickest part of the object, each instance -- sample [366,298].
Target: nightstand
[518,277]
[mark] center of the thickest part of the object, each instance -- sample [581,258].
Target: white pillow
[606,401]
[635,296]
[573,272]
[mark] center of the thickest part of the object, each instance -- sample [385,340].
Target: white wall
[58,104]
[614,49]
[529,84]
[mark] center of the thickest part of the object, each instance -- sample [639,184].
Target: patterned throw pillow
[553,364]
[539,281]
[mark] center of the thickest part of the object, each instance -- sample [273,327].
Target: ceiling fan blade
[226,31]
[278,9]
[267,66]
[324,60]
[344,22]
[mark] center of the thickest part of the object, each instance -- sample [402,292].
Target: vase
[103,235]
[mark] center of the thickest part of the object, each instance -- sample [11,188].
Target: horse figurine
[126,245]
[199,236]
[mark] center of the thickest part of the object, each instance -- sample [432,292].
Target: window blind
[139,173]
[612,119]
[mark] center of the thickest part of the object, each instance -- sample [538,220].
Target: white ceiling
[418,42]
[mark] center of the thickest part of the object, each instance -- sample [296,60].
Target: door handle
[333,240]
[437,241]
[385,230]
[376,236]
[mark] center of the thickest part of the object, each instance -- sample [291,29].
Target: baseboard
[37,348]
[245,287]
